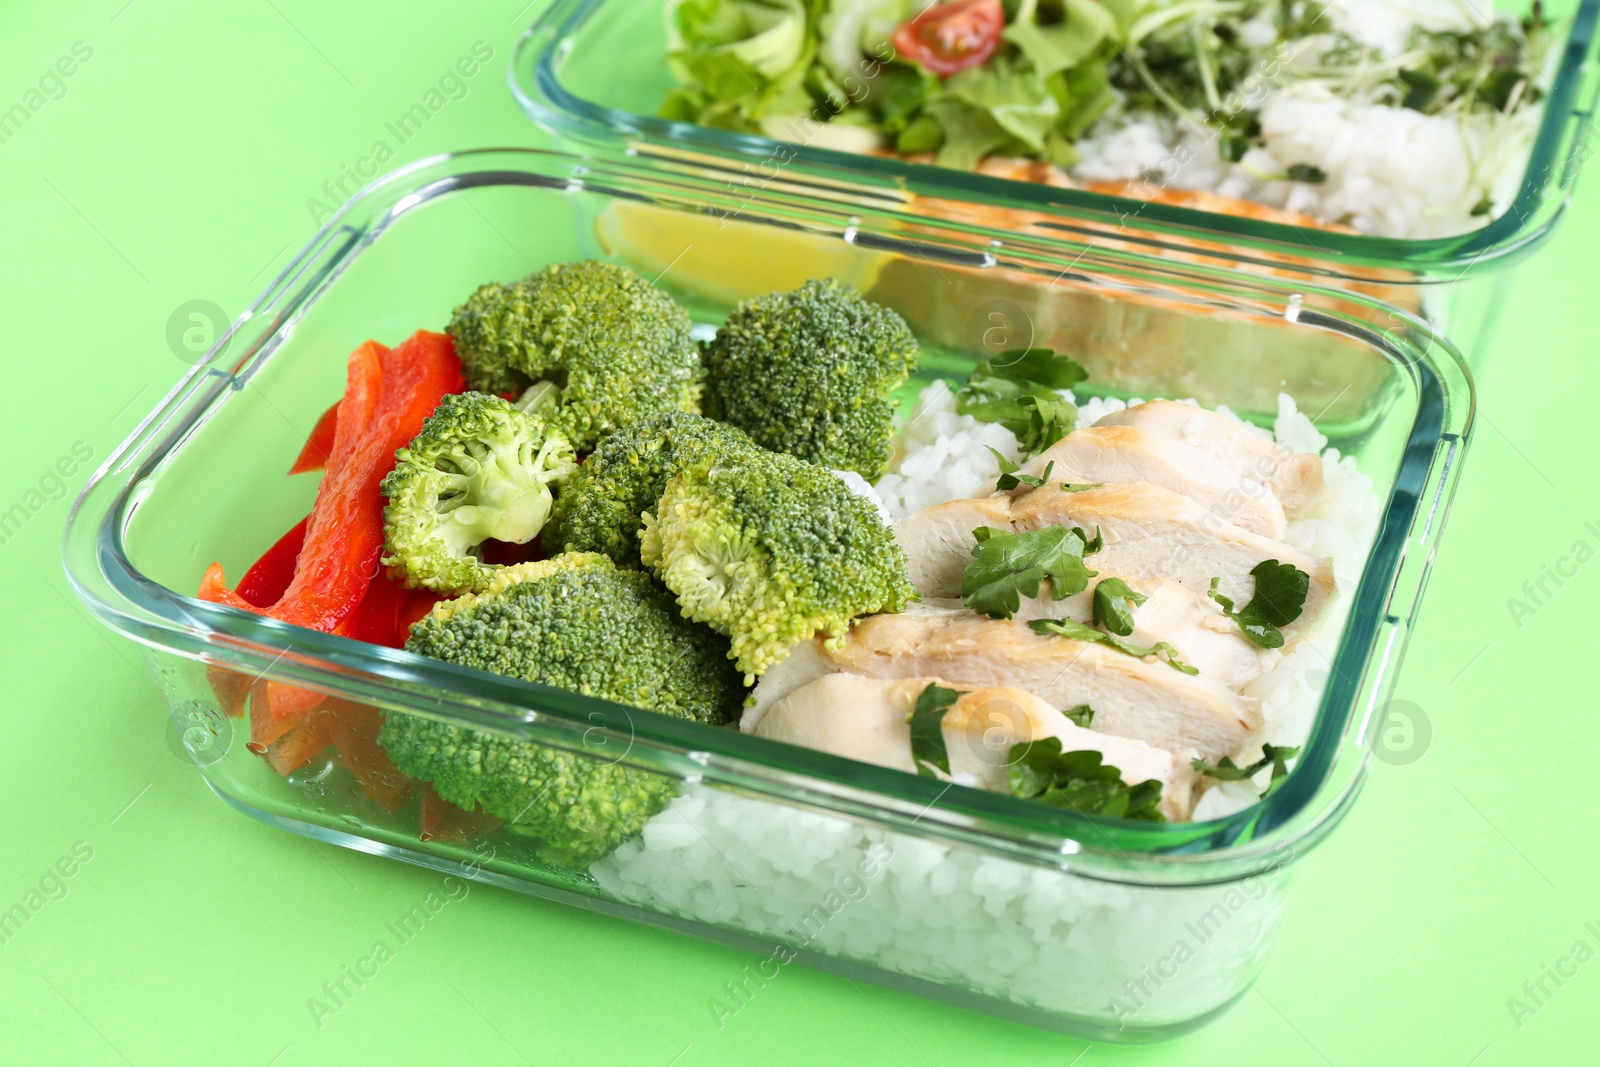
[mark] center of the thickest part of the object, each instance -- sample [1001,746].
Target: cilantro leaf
[927,729]
[1010,479]
[1111,599]
[1305,172]
[1077,631]
[1279,598]
[1275,756]
[1078,487]
[1020,391]
[1083,715]
[1079,781]
[1009,566]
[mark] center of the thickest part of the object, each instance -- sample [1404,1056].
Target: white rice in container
[1390,170]
[1037,937]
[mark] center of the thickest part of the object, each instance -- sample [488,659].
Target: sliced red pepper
[355,731]
[319,446]
[264,583]
[232,689]
[378,619]
[443,821]
[301,744]
[388,395]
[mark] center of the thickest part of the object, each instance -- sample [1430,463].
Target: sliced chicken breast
[1189,621]
[1294,478]
[1129,454]
[866,719]
[1131,697]
[1149,532]
[938,540]
[1155,533]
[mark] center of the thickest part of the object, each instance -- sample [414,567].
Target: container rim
[1292,819]
[1556,155]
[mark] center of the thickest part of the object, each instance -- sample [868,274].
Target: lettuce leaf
[1064,45]
[1017,100]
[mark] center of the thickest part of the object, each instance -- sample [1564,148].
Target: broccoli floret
[772,550]
[811,373]
[479,469]
[617,347]
[575,622]
[599,508]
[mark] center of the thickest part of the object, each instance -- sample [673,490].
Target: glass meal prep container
[1099,927]
[594,74]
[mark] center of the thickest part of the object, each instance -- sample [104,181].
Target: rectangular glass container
[1099,927]
[594,74]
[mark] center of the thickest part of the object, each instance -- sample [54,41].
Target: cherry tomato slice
[948,38]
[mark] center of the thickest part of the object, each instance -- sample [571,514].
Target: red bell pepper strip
[388,395]
[355,732]
[302,743]
[264,583]
[443,821]
[231,687]
[319,446]
[351,730]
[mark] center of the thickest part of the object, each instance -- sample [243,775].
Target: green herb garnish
[1111,599]
[1009,566]
[1305,172]
[1077,631]
[1078,487]
[1275,756]
[1083,715]
[1020,391]
[927,729]
[1279,598]
[1080,781]
[1010,479]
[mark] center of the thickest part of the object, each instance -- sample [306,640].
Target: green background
[178,166]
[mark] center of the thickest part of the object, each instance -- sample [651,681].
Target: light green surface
[177,167]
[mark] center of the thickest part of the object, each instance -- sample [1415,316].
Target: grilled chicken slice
[1149,532]
[1155,533]
[1191,622]
[1129,454]
[1295,478]
[1131,697]
[865,718]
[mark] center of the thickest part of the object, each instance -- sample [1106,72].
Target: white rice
[1033,936]
[1391,171]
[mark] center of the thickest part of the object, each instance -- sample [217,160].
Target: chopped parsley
[1020,390]
[1274,756]
[1010,479]
[1078,487]
[927,729]
[1077,631]
[1305,172]
[1009,566]
[1079,781]
[1279,598]
[1083,715]
[1111,599]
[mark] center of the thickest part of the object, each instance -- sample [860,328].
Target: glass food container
[594,74]
[1099,927]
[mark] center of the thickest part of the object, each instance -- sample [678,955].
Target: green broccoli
[480,469]
[599,507]
[574,622]
[772,550]
[615,346]
[811,373]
